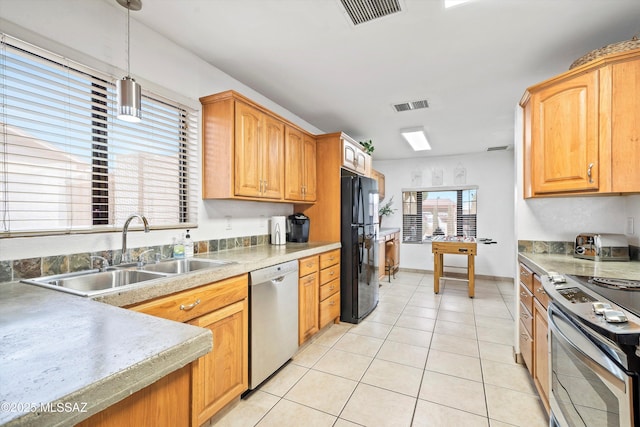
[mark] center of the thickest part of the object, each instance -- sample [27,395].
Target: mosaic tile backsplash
[45,266]
[561,248]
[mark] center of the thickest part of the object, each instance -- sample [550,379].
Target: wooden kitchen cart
[455,247]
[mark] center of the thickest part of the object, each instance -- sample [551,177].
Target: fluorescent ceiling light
[416,138]
[452,3]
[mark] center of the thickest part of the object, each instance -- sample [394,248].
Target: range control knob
[600,307]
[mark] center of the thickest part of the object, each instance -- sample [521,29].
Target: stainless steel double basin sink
[95,282]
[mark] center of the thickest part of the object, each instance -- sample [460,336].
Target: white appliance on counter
[278,230]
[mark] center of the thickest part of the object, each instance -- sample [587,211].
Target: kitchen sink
[185,265]
[93,282]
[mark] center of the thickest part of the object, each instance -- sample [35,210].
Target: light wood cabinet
[533,331]
[564,126]
[308,293]
[330,160]
[379,177]
[259,153]
[329,288]
[243,153]
[389,255]
[581,135]
[164,403]
[300,166]
[220,376]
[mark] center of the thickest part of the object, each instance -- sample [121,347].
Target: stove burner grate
[631,285]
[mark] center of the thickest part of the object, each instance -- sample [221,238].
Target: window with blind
[439,211]
[68,165]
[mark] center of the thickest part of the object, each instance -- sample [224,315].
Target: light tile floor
[419,359]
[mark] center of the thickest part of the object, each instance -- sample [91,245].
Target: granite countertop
[62,348]
[386,231]
[542,264]
[245,260]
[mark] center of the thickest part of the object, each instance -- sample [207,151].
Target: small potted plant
[385,210]
[368,146]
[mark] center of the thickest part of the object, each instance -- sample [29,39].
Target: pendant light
[129,92]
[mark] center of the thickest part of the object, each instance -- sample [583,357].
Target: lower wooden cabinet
[329,309]
[222,375]
[308,294]
[164,403]
[533,331]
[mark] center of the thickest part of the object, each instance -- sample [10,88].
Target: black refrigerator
[359,254]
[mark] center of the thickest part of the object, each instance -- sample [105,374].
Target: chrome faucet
[125,229]
[141,262]
[104,263]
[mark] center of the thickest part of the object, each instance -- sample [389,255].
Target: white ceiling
[472,62]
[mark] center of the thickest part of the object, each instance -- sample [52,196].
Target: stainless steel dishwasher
[273,326]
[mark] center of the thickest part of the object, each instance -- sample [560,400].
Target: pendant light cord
[128,38]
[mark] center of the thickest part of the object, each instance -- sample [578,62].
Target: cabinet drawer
[526,277]
[538,291]
[308,265]
[526,318]
[329,289]
[193,303]
[329,309]
[329,274]
[329,258]
[526,298]
[526,348]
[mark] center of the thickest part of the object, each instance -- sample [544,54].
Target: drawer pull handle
[525,274]
[332,302]
[331,273]
[190,306]
[523,294]
[525,336]
[525,316]
[309,264]
[331,287]
[541,290]
[463,250]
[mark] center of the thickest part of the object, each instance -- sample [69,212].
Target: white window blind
[438,211]
[68,165]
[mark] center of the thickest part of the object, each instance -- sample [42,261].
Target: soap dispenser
[188,245]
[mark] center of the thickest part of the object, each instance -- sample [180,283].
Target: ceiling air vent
[498,148]
[413,105]
[361,11]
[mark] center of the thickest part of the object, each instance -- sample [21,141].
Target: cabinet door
[540,352]
[221,375]
[526,347]
[272,160]
[353,157]
[248,181]
[564,147]
[308,290]
[309,169]
[293,167]
[625,126]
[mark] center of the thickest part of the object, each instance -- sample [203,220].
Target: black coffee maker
[298,228]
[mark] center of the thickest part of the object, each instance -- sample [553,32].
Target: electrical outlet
[630,230]
[228,226]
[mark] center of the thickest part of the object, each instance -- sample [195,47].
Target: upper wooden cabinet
[379,177]
[243,152]
[300,166]
[581,132]
[259,153]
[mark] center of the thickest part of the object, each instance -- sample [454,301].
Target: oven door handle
[614,375]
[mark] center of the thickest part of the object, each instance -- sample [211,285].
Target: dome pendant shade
[129,95]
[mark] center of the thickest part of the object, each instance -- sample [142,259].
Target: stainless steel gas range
[594,346]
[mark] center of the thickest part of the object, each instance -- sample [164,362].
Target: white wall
[493,173]
[94,33]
